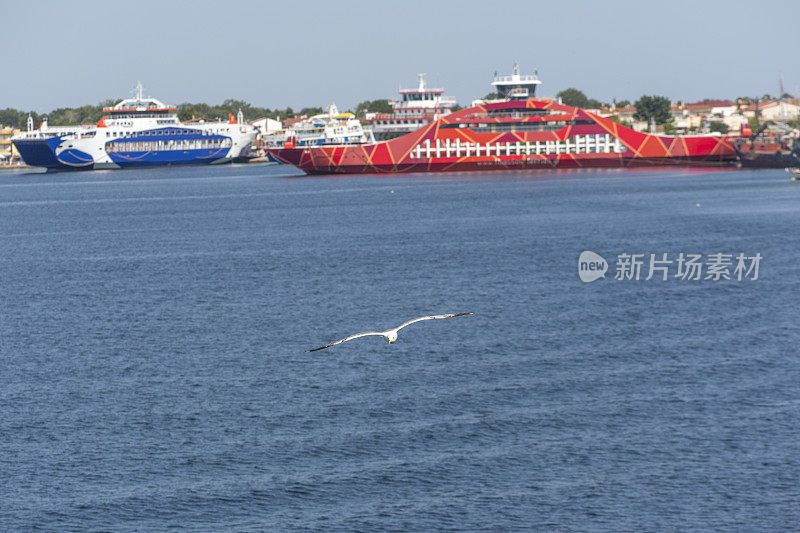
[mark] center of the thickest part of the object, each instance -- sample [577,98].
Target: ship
[136,132]
[768,152]
[414,108]
[777,148]
[325,129]
[531,133]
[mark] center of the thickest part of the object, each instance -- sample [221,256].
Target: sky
[277,54]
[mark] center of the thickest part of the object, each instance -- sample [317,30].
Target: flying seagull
[390,334]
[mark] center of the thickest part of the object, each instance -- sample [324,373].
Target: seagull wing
[429,317]
[351,337]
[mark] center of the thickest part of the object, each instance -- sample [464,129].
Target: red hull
[535,134]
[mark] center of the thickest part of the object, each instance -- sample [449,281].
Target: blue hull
[272,159]
[169,157]
[41,153]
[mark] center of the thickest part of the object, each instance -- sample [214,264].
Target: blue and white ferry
[137,132]
[326,129]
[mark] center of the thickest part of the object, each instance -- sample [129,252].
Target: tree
[618,120]
[576,98]
[491,96]
[311,111]
[717,126]
[653,107]
[622,103]
[18,119]
[373,106]
[573,97]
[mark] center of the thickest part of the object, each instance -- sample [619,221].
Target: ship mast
[139,91]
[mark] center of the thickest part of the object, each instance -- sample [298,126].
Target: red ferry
[513,134]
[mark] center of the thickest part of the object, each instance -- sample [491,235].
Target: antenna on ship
[139,91]
[421,77]
[30,123]
[240,116]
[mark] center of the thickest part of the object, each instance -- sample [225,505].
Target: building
[785,109]
[625,115]
[267,125]
[8,152]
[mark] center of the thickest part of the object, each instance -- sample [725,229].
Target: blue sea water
[154,374]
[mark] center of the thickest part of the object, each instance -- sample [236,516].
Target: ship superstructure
[412,110]
[516,86]
[136,132]
[326,129]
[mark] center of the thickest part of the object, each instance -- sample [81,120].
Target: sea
[154,372]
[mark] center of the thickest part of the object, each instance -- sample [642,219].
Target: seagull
[390,334]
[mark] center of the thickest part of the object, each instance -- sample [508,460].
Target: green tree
[622,103]
[18,119]
[576,98]
[311,111]
[718,127]
[491,96]
[653,107]
[573,97]
[373,106]
[618,120]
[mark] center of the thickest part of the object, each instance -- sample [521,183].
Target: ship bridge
[139,106]
[516,86]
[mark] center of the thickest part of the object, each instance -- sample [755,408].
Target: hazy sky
[278,54]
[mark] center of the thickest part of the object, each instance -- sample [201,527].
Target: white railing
[579,144]
[528,78]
